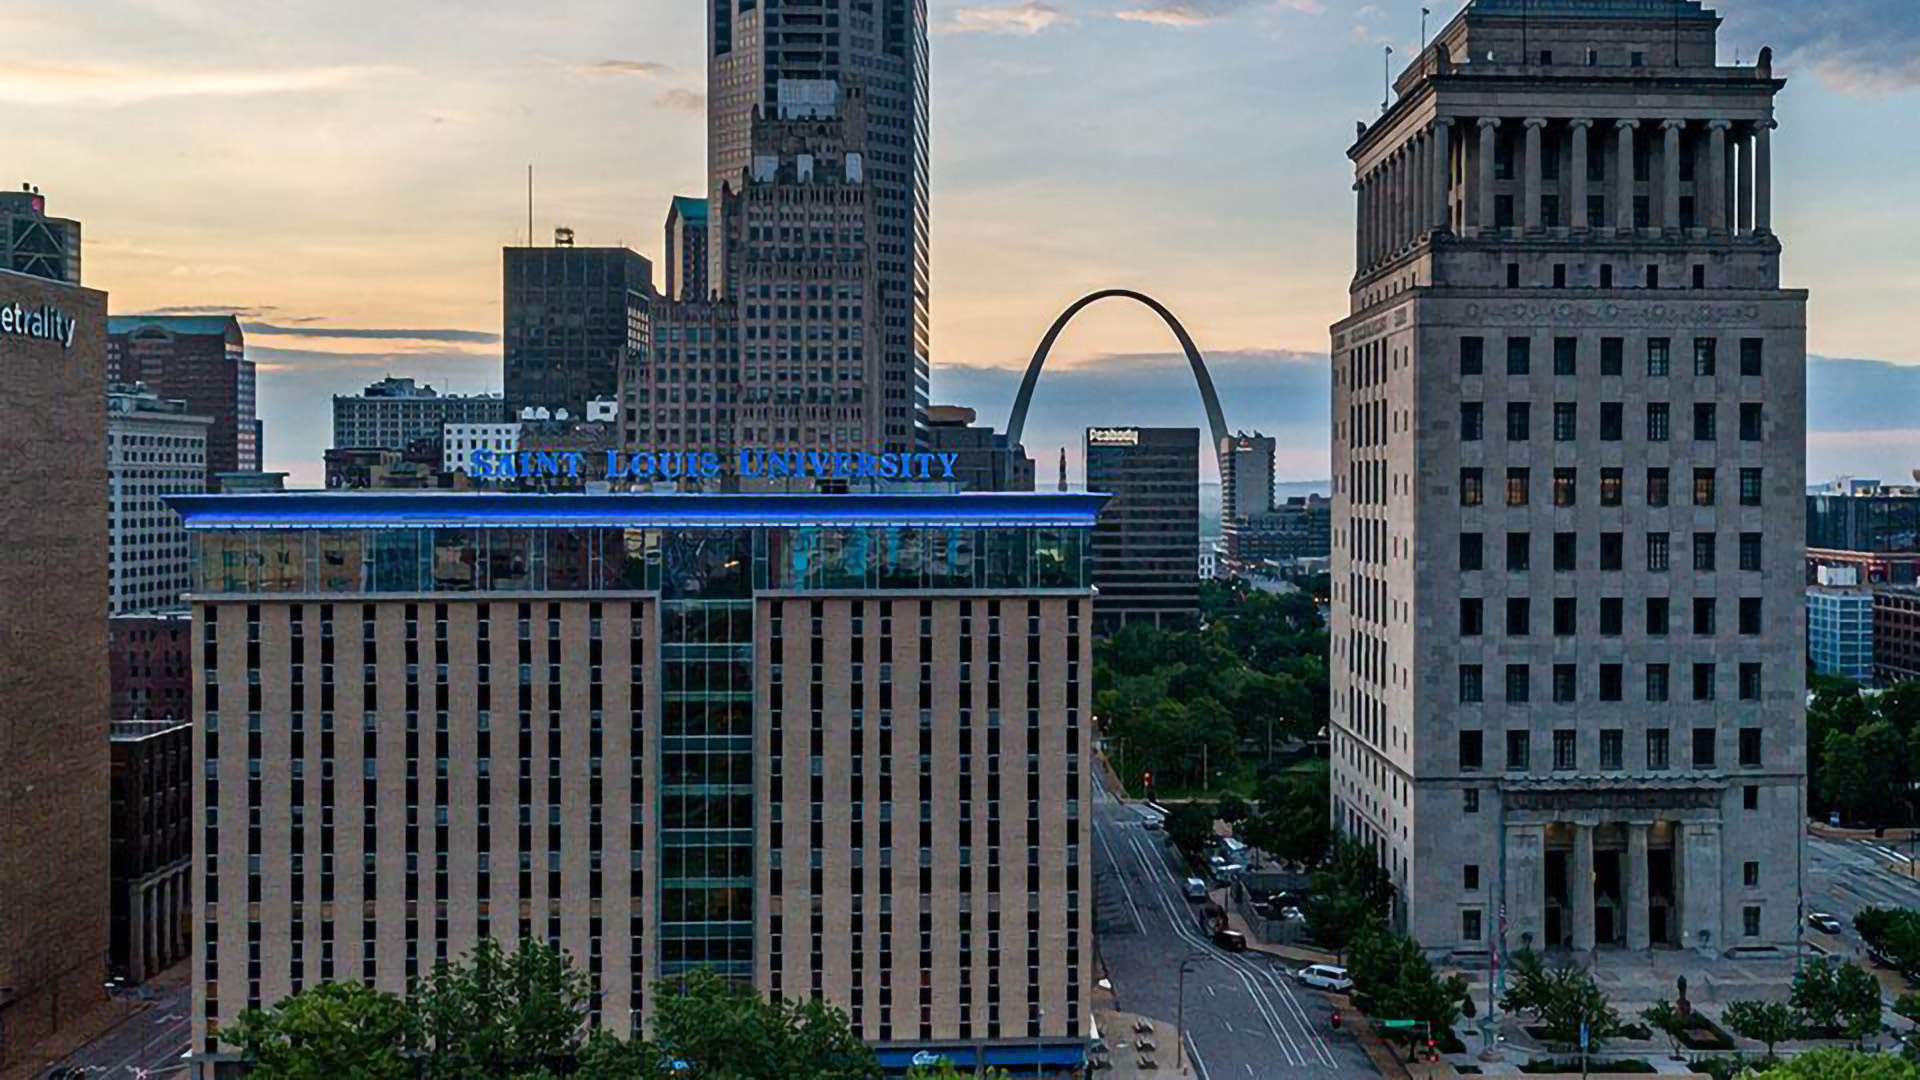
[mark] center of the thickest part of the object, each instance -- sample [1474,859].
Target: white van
[1196,889]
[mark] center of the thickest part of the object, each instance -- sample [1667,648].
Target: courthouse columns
[1743,187]
[1486,219]
[1717,176]
[1577,132]
[1580,887]
[1534,125]
[1441,214]
[1763,177]
[1623,210]
[1670,172]
[1525,886]
[1639,913]
[1699,872]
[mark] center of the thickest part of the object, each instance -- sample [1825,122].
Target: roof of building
[173,324]
[483,510]
[1593,9]
[690,209]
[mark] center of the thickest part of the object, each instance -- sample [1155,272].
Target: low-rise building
[1840,626]
[1896,633]
[152,785]
[150,665]
[395,411]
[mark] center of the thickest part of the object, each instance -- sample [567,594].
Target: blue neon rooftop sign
[643,465]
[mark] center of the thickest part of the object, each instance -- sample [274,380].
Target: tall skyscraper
[1146,548]
[685,250]
[155,448]
[1246,481]
[53,656]
[575,317]
[1569,439]
[33,243]
[201,360]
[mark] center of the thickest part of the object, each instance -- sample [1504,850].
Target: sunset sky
[344,174]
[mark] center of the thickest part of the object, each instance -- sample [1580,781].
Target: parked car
[1324,977]
[1196,889]
[1824,922]
[1230,940]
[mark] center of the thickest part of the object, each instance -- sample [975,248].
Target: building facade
[1896,633]
[155,448]
[1873,528]
[150,665]
[1246,480]
[152,790]
[1300,528]
[1146,548]
[985,462]
[1569,440]
[685,251]
[394,412]
[575,319]
[201,360]
[53,658]
[829,745]
[1840,623]
[459,441]
[35,244]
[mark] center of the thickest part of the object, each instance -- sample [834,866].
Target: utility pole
[1386,78]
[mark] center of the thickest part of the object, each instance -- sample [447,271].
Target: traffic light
[1146,778]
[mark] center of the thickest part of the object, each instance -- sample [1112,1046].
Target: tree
[1232,809]
[1664,1018]
[1393,979]
[1295,821]
[1769,1022]
[1894,936]
[1190,827]
[1867,773]
[501,1014]
[726,1031]
[1350,894]
[946,1070]
[1561,999]
[333,1031]
[1837,999]
[1830,1064]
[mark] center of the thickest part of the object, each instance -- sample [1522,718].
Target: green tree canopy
[1351,894]
[1837,999]
[497,1013]
[1830,1064]
[1560,999]
[726,1031]
[334,1031]
[1768,1022]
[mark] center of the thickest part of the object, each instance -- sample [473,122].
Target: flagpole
[1386,78]
[1424,12]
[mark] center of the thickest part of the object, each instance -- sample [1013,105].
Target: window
[1472,355]
[1610,742]
[1606,269]
[1657,679]
[1519,551]
[1657,551]
[1565,421]
[1613,424]
[1611,485]
[1686,213]
[1470,487]
[1472,616]
[1565,551]
[1613,350]
[1703,682]
[1612,545]
[1519,684]
[1566,353]
[1750,920]
[1749,551]
[1703,553]
[1750,875]
[1472,421]
[1749,682]
[1749,421]
[1612,616]
[1519,351]
[1703,487]
[1566,684]
[1472,551]
[1612,679]
[1564,747]
[1749,487]
[1519,421]
[1750,797]
[1752,355]
[1565,615]
[1519,617]
[1657,616]
[1750,747]
[1659,422]
[1470,924]
[1705,351]
[1704,611]
[1706,423]
[1470,801]
[1657,743]
[1518,751]
[1470,877]
[1503,218]
[1658,356]
[1657,486]
[1643,209]
[1749,615]
[1517,480]
[1470,689]
[1470,751]
[1564,488]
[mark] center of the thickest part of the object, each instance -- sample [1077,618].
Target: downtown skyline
[347,198]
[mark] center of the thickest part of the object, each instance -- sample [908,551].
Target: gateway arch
[1216,420]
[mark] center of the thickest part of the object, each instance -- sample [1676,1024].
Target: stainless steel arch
[1215,418]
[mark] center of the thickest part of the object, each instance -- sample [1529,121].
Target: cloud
[1020,20]
[1864,47]
[32,82]
[1189,13]
[1862,395]
[609,69]
[682,100]
[274,329]
[244,311]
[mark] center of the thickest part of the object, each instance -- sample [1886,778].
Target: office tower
[680,393]
[1300,528]
[155,448]
[459,441]
[1870,526]
[1896,633]
[822,744]
[1146,548]
[53,656]
[1569,439]
[863,66]
[574,318]
[152,792]
[986,462]
[394,412]
[1840,625]
[1246,481]
[33,243]
[685,251]
[149,665]
[201,360]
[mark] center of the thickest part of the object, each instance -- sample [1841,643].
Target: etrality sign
[46,324]
[676,465]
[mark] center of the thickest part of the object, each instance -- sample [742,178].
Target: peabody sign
[44,324]
[1104,436]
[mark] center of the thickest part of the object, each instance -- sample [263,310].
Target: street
[1244,1016]
[1846,876]
[149,1043]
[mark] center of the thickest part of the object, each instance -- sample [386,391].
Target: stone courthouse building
[1568,443]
